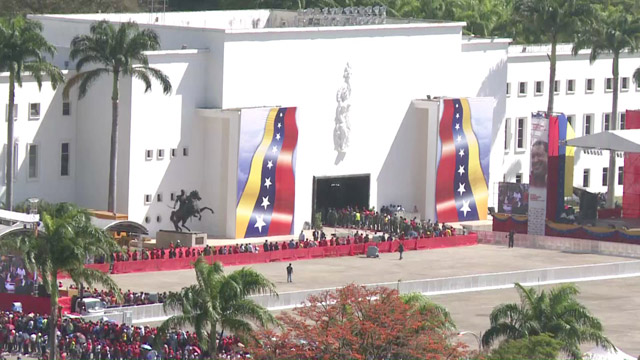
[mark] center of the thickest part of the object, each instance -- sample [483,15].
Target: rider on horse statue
[188,208]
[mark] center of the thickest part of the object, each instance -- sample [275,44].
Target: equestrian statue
[187,208]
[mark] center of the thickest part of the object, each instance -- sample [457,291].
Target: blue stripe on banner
[465,201]
[263,208]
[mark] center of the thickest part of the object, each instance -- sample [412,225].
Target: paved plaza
[616,302]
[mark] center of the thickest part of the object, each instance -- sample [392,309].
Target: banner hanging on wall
[538,174]
[266,172]
[464,150]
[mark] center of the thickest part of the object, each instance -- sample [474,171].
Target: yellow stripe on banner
[252,188]
[476,176]
[568,163]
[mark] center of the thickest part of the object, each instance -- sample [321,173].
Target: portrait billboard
[539,152]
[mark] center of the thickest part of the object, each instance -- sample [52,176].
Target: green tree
[537,347]
[23,52]
[423,305]
[23,7]
[219,302]
[118,52]
[552,21]
[556,312]
[61,245]
[616,30]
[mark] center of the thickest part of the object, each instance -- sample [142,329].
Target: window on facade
[66,108]
[160,154]
[159,218]
[174,152]
[588,122]
[585,178]
[15,112]
[147,198]
[606,121]
[34,111]
[148,154]
[507,132]
[147,219]
[608,84]
[519,178]
[571,86]
[623,120]
[571,119]
[185,151]
[508,89]
[522,89]
[590,85]
[539,87]
[521,133]
[159,197]
[624,84]
[620,175]
[605,175]
[556,87]
[32,155]
[64,159]
[172,197]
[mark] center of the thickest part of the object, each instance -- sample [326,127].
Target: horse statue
[188,208]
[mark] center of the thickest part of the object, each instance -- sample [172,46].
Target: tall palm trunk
[613,119]
[113,155]
[552,76]
[53,318]
[9,166]
[213,341]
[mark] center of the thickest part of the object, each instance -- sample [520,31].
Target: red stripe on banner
[282,217]
[445,196]
[553,163]
[553,136]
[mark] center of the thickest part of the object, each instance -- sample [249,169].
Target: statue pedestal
[187,239]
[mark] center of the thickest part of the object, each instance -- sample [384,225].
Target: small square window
[174,152]
[624,84]
[15,112]
[620,175]
[159,197]
[588,122]
[185,151]
[172,196]
[571,86]
[606,121]
[148,154]
[585,178]
[556,87]
[539,87]
[160,154]
[623,120]
[147,198]
[522,89]
[571,119]
[519,178]
[508,89]
[32,153]
[589,86]
[605,176]
[608,84]
[34,111]
[66,108]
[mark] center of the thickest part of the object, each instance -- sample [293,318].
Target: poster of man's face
[513,198]
[539,155]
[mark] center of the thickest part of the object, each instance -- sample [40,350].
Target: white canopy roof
[598,353]
[617,140]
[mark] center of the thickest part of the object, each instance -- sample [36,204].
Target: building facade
[223,62]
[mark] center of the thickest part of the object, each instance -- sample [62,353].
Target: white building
[257,58]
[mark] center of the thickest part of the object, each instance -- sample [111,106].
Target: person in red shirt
[348,240]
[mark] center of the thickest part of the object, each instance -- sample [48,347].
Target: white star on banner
[265,202]
[267,182]
[461,170]
[465,207]
[457,116]
[459,138]
[260,222]
[269,164]
[461,189]
[279,125]
[274,149]
[461,153]
[278,136]
[280,114]
[457,126]
[456,105]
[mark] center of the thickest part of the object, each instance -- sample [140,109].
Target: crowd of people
[28,334]
[129,298]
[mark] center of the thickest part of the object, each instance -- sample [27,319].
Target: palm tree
[556,312]
[219,301]
[552,21]
[422,304]
[23,51]
[617,30]
[61,245]
[119,52]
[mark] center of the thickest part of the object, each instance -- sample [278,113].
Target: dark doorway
[339,192]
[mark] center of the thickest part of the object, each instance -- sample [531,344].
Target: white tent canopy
[616,140]
[598,353]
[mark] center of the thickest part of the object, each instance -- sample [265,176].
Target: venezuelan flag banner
[464,145]
[266,172]
[560,165]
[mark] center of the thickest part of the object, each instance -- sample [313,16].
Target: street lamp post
[477,336]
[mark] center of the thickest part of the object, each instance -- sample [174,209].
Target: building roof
[616,140]
[120,226]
